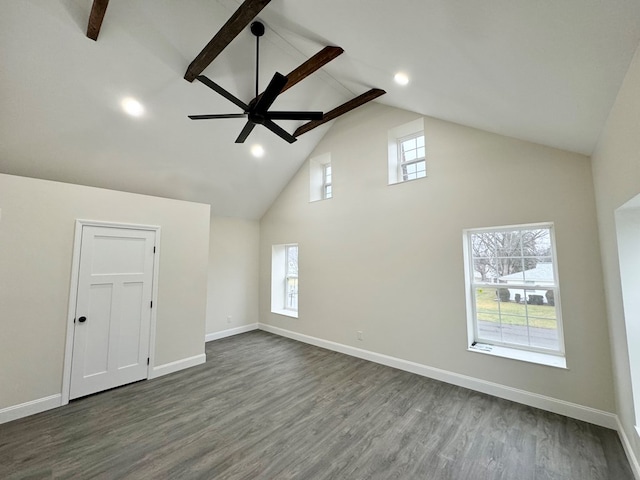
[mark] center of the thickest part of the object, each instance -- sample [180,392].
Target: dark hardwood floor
[266,407]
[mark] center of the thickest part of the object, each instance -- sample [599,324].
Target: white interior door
[113,309]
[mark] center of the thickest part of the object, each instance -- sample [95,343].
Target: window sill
[286,313]
[400,182]
[522,355]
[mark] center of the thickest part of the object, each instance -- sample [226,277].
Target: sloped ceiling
[546,72]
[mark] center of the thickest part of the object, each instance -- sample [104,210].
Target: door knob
[82,319]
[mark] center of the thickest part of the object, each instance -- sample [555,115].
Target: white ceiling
[546,71]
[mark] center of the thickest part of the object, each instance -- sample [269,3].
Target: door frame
[73,295]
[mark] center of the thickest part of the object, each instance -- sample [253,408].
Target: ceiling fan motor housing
[257,28]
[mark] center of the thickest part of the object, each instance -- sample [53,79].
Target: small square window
[407,152]
[411,157]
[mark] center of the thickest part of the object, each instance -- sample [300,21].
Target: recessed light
[257,150]
[132,106]
[401,78]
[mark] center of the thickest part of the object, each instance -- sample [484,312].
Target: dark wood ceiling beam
[230,30]
[341,110]
[315,63]
[98,9]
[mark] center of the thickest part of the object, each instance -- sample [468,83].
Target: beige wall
[36,244]
[387,260]
[616,173]
[233,273]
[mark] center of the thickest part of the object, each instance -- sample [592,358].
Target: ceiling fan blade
[270,94]
[245,132]
[294,115]
[341,110]
[230,30]
[222,115]
[217,88]
[281,132]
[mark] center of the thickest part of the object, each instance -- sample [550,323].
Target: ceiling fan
[254,112]
[257,111]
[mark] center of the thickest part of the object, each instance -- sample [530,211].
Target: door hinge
[147,360]
[151,304]
[154,249]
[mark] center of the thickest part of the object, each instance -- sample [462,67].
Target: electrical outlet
[228,318]
[359,335]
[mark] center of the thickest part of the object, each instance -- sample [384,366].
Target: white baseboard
[176,366]
[229,332]
[573,410]
[30,408]
[628,449]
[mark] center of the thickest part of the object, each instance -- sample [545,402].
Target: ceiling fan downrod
[257,28]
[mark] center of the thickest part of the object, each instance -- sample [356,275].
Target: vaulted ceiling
[542,71]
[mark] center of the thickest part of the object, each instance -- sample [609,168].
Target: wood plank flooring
[266,407]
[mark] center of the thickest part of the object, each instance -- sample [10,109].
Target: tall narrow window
[326,181]
[411,155]
[320,178]
[291,278]
[284,279]
[513,288]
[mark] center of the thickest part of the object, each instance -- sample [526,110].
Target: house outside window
[513,289]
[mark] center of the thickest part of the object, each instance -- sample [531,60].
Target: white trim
[73,293]
[628,449]
[30,408]
[178,365]
[209,337]
[393,161]
[573,410]
[550,360]
[471,285]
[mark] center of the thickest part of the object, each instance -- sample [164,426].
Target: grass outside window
[490,309]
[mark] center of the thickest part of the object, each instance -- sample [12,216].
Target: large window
[513,289]
[284,279]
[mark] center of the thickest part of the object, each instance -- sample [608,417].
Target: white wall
[233,274]
[616,173]
[388,260]
[36,245]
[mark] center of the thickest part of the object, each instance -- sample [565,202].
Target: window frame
[536,354]
[289,276]
[279,278]
[403,164]
[317,180]
[394,152]
[326,185]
